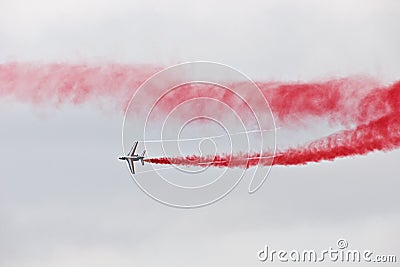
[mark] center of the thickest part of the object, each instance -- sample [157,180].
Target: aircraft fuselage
[134,158]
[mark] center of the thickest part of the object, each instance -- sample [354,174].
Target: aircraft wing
[131,165]
[133,149]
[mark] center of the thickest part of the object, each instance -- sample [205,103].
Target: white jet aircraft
[131,157]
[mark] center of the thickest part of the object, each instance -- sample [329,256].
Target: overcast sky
[66,201]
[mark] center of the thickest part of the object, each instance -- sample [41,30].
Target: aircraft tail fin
[144,152]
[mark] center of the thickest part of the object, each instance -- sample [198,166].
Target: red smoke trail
[341,101]
[381,134]
[369,110]
[71,83]
[344,101]
[239,160]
